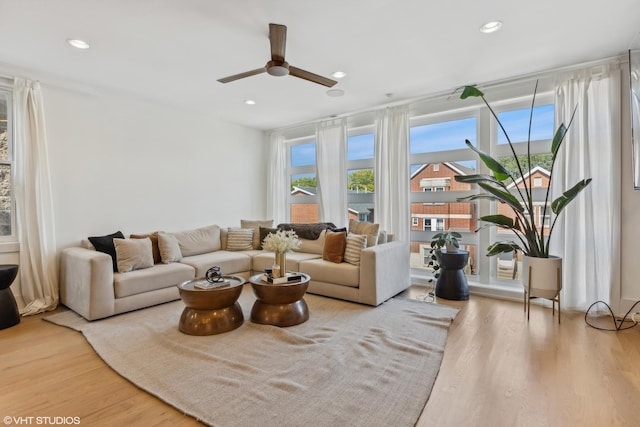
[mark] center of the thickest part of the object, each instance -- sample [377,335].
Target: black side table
[9,315]
[452,283]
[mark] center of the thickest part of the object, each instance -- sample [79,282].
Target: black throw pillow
[264,231]
[105,244]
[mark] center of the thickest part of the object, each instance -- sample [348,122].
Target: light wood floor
[498,370]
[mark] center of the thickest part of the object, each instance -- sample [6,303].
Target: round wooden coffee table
[210,311]
[279,305]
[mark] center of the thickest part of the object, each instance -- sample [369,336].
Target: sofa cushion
[157,259]
[334,246]
[133,254]
[365,228]
[313,246]
[240,239]
[344,274]
[199,241]
[169,248]
[229,262]
[355,244]
[105,244]
[267,259]
[255,226]
[159,276]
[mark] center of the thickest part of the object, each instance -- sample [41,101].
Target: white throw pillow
[355,244]
[169,248]
[239,239]
[133,254]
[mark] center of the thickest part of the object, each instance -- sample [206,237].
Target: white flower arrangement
[281,241]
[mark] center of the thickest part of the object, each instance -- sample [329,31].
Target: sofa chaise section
[91,288]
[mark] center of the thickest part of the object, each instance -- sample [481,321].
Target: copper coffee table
[210,311]
[279,305]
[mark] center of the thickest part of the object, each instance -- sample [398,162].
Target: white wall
[120,163]
[123,163]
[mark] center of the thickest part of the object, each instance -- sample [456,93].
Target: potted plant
[447,240]
[532,239]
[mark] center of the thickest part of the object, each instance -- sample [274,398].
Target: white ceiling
[173,51]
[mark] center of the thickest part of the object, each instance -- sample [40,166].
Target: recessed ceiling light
[335,92]
[338,74]
[250,102]
[491,27]
[80,44]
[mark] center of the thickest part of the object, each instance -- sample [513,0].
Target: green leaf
[456,234]
[503,196]
[481,196]
[561,202]
[470,91]
[474,179]
[499,171]
[502,247]
[499,220]
[557,139]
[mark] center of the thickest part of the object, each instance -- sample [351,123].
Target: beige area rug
[348,365]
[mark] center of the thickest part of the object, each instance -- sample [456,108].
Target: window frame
[10,161]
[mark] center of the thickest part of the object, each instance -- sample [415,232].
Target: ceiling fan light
[278,70]
[338,74]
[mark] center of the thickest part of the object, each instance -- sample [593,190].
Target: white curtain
[34,203]
[392,209]
[331,151]
[277,186]
[588,231]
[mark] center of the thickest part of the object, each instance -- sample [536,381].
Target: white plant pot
[450,247]
[545,275]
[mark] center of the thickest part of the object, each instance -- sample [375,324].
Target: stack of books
[205,284]
[288,278]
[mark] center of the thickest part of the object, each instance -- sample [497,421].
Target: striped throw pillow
[355,244]
[240,239]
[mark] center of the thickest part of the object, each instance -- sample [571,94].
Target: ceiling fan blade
[278,39]
[242,75]
[307,75]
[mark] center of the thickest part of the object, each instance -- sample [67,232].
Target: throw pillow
[199,241]
[133,254]
[154,244]
[255,225]
[334,245]
[264,231]
[355,244]
[365,228]
[313,246]
[239,239]
[105,244]
[169,248]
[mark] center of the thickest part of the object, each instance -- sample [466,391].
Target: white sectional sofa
[90,287]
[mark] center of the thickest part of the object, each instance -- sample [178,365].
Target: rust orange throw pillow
[334,246]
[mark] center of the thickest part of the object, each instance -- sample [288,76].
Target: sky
[443,136]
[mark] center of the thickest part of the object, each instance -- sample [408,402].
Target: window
[6,164]
[303,203]
[360,174]
[537,182]
[414,221]
[438,153]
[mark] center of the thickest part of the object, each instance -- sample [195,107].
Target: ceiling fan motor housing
[278,68]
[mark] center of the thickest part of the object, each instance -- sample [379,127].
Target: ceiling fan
[278,66]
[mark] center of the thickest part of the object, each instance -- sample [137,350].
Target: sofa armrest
[384,271]
[86,282]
